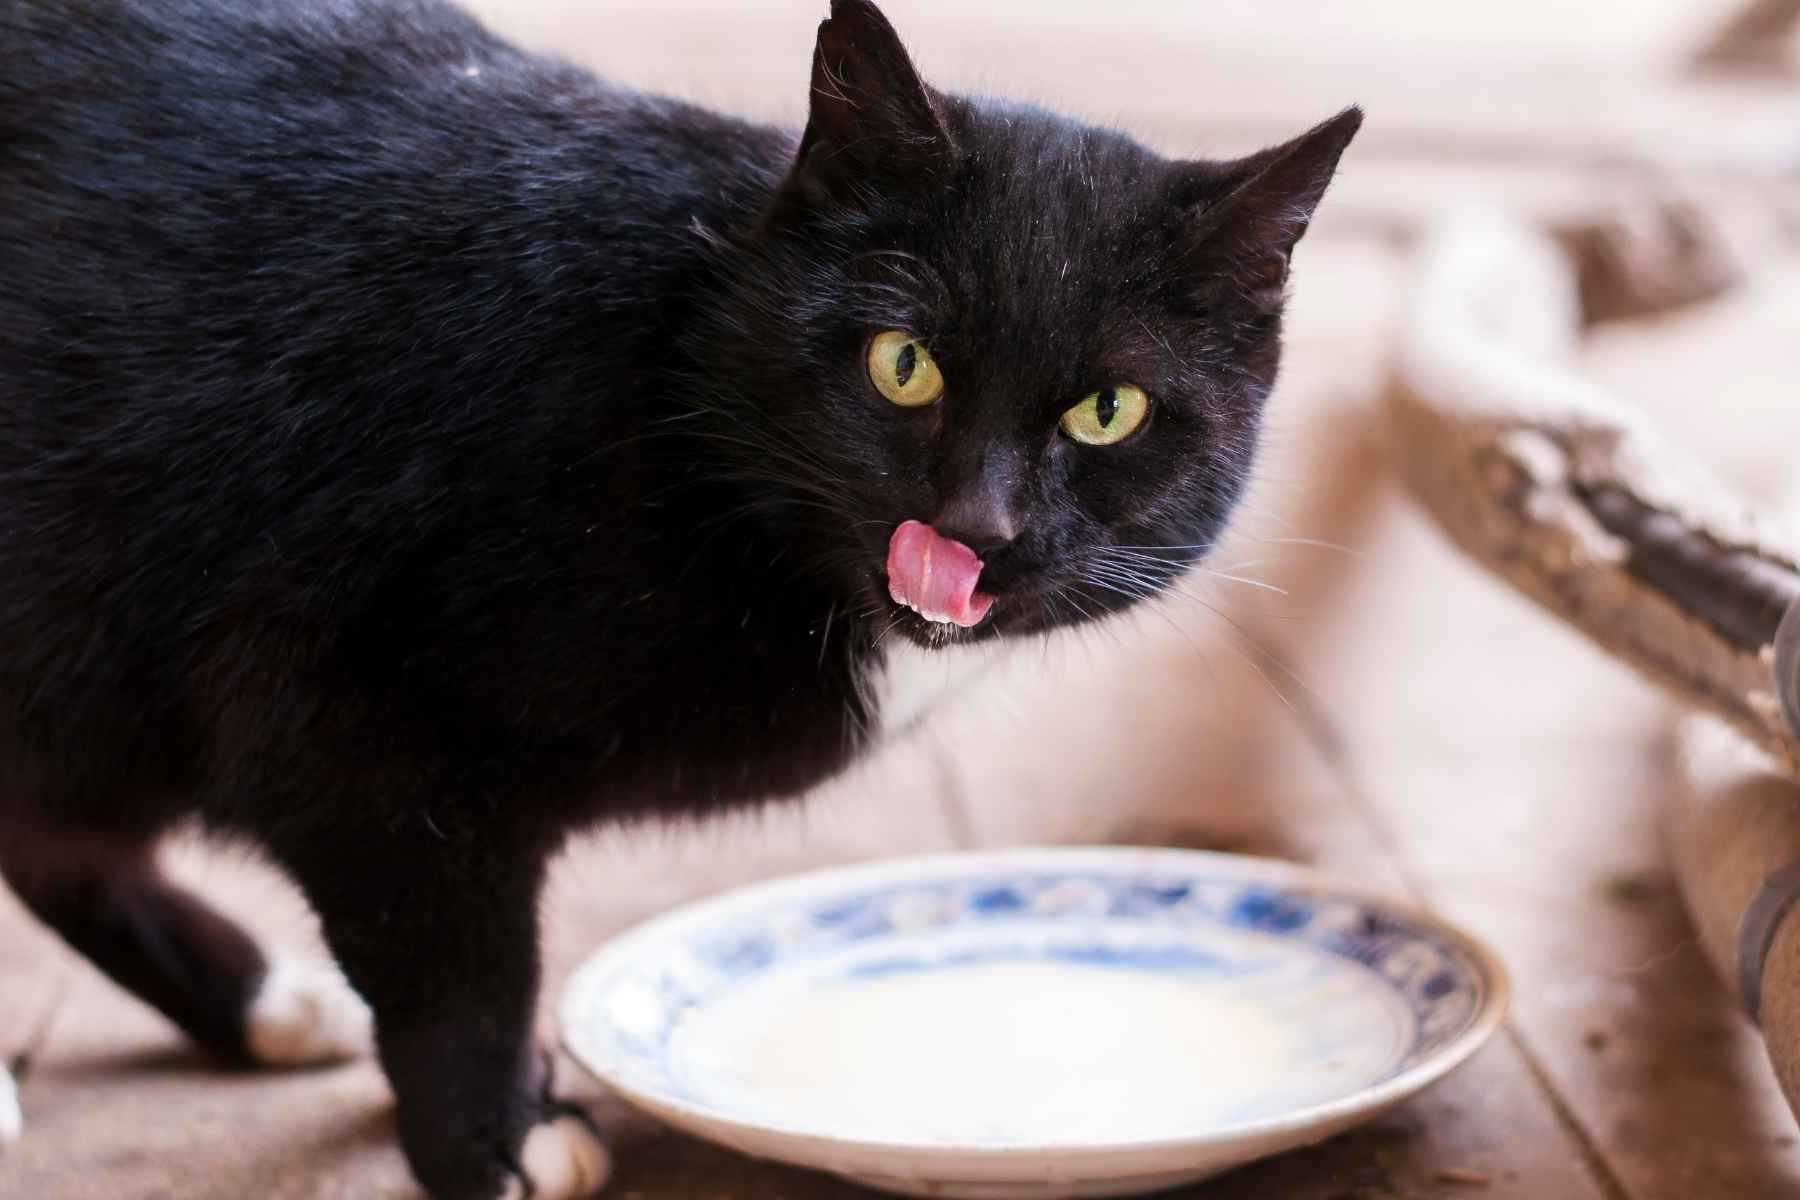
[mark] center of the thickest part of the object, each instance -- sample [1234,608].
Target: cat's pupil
[1106,406]
[904,362]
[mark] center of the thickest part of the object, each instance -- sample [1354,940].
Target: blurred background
[1341,687]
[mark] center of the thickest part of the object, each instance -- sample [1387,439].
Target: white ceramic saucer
[1032,1023]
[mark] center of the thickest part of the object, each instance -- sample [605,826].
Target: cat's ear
[1242,219]
[873,123]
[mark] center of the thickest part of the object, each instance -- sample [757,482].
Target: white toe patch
[305,1014]
[12,1118]
[563,1160]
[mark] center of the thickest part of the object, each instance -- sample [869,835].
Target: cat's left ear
[1242,219]
[873,123]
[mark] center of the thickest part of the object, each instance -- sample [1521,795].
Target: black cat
[413,450]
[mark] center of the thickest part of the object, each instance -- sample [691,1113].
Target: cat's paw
[12,1118]
[304,1014]
[561,1159]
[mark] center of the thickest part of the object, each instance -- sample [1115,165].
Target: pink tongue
[935,575]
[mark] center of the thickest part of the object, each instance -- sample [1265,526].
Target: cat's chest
[903,683]
[761,723]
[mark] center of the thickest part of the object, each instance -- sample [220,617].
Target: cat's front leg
[441,938]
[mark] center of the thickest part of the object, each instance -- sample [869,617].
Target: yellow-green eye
[1110,415]
[901,369]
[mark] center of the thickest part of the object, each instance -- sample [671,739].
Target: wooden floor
[1395,715]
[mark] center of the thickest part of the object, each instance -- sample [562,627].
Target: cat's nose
[984,528]
[980,508]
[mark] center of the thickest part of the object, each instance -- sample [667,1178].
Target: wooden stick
[1566,493]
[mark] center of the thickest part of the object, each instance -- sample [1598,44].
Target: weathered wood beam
[1566,492]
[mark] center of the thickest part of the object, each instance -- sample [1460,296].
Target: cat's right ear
[873,124]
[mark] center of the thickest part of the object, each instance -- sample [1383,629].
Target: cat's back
[297,292]
[215,213]
[195,123]
[166,55]
[146,143]
[105,74]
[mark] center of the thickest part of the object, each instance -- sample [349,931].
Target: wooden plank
[1516,775]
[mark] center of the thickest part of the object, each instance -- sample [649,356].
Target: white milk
[1025,1053]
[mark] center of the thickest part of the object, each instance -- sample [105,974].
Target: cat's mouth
[935,576]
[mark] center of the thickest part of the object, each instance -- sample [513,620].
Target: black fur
[413,450]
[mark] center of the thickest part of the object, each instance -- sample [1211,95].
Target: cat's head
[1036,337]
